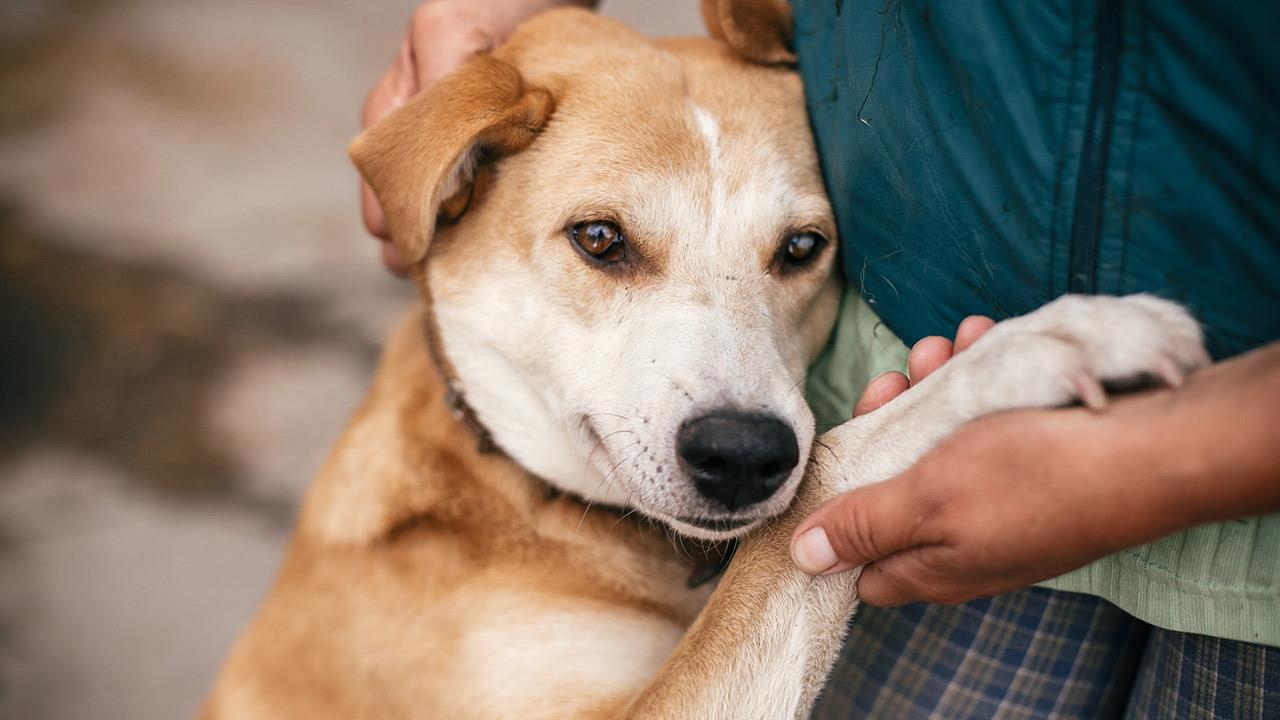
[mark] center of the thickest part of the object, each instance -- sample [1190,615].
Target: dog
[626,259]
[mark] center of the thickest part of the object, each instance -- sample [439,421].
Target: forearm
[1206,452]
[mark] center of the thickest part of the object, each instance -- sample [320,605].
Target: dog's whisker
[632,459]
[590,500]
[634,408]
[615,432]
[684,550]
[632,510]
[585,510]
[600,443]
[624,417]
[607,475]
[619,463]
[615,477]
[798,383]
[628,446]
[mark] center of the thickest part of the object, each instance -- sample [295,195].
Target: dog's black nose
[735,458]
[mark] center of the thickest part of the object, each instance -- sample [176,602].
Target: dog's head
[629,254]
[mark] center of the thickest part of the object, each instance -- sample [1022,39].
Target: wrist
[1197,454]
[1122,457]
[1221,459]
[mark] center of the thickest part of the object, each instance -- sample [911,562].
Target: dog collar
[454,399]
[462,412]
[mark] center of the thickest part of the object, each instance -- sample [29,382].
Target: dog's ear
[758,30]
[421,159]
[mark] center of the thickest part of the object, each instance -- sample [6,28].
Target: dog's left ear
[421,159]
[758,30]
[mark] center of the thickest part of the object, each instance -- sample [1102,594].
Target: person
[982,159]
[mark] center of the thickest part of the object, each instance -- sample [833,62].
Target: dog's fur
[428,578]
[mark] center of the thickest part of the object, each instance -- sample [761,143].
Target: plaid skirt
[1040,653]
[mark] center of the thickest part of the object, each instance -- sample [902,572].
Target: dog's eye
[599,239]
[802,247]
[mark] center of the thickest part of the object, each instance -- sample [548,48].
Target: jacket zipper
[1086,221]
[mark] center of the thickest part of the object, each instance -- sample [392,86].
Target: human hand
[977,516]
[440,36]
[1020,497]
[1006,501]
[927,355]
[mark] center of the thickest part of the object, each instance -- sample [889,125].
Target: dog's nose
[737,459]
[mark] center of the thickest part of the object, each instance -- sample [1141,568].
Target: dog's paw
[1074,347]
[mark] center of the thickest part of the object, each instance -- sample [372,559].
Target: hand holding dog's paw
[1016,498]
[1020,497]
[1005,502]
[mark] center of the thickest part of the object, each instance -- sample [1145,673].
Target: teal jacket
[986,157]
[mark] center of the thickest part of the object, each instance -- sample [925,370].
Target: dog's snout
[737,459]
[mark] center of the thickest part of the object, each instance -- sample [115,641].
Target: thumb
[856,528]
[438,54]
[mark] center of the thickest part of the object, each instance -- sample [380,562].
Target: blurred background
[189,309]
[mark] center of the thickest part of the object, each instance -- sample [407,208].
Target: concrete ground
[188,310]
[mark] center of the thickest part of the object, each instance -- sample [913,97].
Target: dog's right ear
[758,30]
[421,159]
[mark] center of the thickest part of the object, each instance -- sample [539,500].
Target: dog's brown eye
[599,239]
[803,247]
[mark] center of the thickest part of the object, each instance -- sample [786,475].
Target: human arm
[1021,497]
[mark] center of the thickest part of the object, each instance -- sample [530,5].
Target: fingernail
[812,552]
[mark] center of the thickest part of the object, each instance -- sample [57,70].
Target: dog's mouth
[717,524]
[712,529]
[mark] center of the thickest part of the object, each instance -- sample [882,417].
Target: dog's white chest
[542,653]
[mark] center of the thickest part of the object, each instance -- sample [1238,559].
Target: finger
[888,583]
[371,212]
[403,69]
[926,573]
[389,93]
[882,388]
[392,90]
[970,329]
[856,528]
[384,98]
[926,356]
[394,261]
[880,588]
[441,55]
[442,37]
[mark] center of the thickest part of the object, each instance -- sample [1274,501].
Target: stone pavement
[188,311]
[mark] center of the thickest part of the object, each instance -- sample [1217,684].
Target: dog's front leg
[764,644]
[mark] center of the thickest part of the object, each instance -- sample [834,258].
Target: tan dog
[630,268]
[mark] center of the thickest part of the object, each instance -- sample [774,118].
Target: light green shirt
[1221,579]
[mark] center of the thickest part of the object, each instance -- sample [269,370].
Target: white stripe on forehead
[710,130]
[731,197]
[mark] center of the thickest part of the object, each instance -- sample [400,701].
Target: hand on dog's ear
[421,159]
[758,30]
